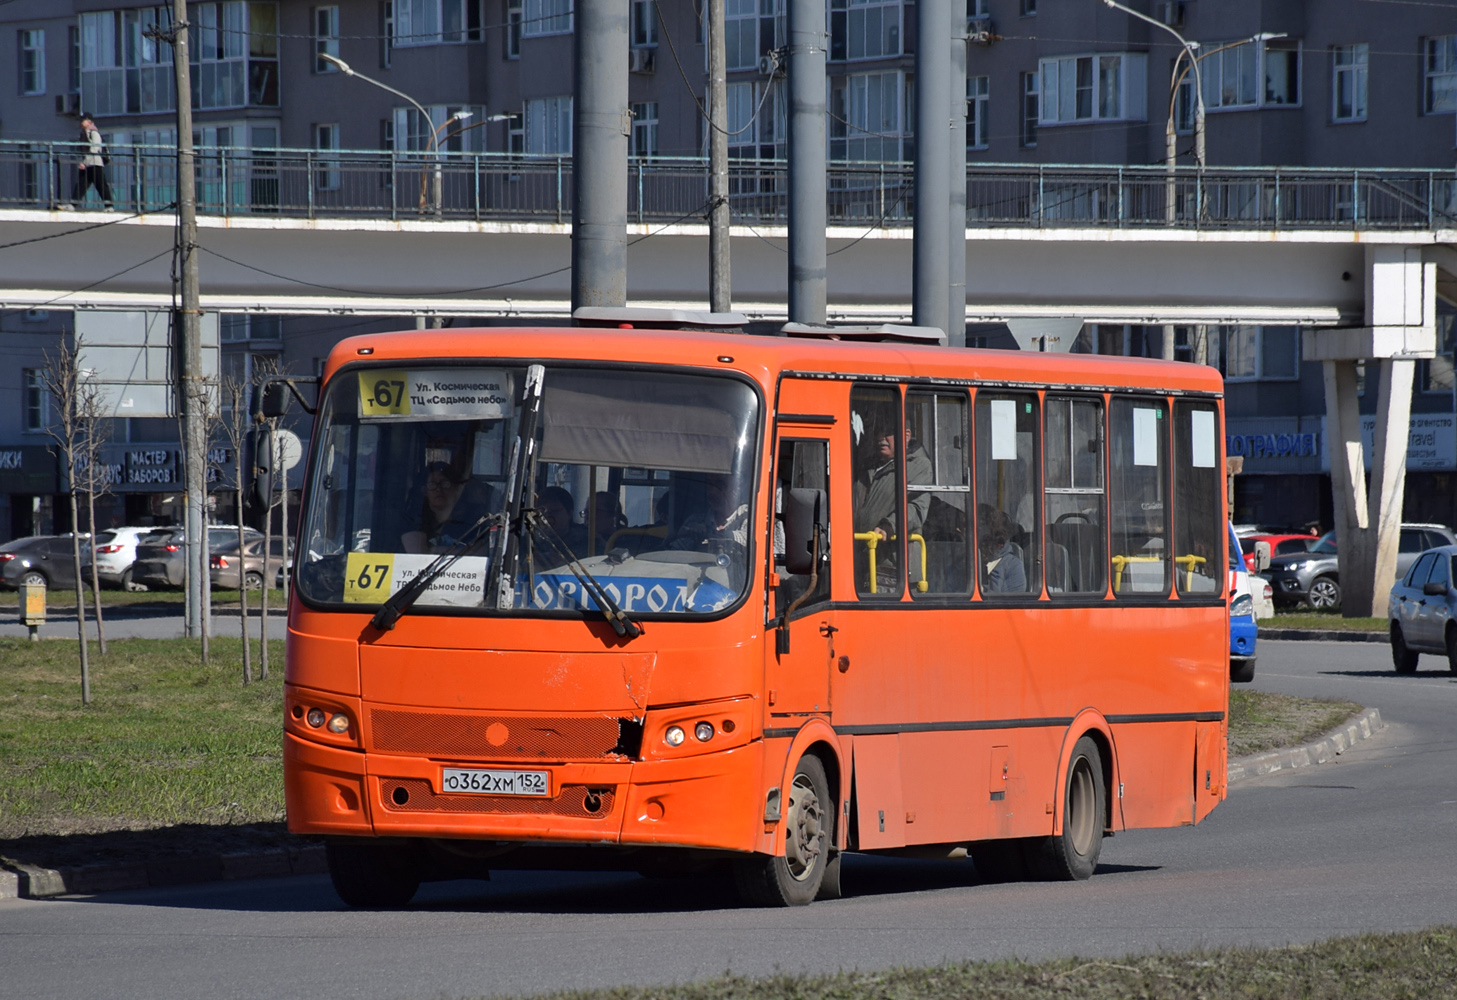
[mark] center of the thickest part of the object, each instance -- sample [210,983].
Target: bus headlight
[339,723]
[674,736]
[315,717]
[703,732]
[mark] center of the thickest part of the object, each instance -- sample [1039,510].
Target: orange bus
[673,600]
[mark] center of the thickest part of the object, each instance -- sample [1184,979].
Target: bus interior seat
[1057,568]
[1080,541]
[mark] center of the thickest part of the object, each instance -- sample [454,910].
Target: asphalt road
[1361,843]
[127,621]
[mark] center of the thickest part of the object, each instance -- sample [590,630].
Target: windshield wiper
[620,621]
[400,601]
[501,580]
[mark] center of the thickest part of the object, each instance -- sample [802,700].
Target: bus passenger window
[1198,480]
[938,489]
[1073,483]
[801,465]
[878,437]
[1006,494]
[1139,445]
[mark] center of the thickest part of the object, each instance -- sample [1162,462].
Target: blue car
[1241,617]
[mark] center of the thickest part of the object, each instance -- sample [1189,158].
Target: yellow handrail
[1187,563]
[872,540]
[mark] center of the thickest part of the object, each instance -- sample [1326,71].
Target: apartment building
[1342,83]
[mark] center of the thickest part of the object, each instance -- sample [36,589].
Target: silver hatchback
[1420,610]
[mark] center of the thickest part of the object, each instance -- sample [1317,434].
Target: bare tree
[235,393]
[70,387]
[266,442]
[91,476]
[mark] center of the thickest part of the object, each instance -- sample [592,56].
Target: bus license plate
[454,779]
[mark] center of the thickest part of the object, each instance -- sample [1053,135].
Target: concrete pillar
[956,257]
[808,260]
[600,127]
[929,277]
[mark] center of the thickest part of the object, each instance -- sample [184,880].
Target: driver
[444,513]
[722,517]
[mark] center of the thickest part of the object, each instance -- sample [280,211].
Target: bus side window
[1139,444]
[878,440]
[1007,520]
[938,493]
[801,464]
[1077,550]
[1198,524]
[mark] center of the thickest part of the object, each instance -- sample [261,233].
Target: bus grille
[570,800]
[441,734]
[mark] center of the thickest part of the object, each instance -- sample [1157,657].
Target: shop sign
[1431,442]
[1275,444]
[27,468]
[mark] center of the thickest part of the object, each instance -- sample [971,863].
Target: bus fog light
[316,717]
[674,736]
[339,723]
[703,732]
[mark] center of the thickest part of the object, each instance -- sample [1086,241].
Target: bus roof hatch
[881,333]
[649,318]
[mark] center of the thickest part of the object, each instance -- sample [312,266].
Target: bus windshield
[643,480]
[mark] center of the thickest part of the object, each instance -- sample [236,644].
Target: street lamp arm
[351,71]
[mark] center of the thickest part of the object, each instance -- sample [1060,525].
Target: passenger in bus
[721,517]
[609,517]
[1003,570]
[876,496]
[448,511]
[556,506]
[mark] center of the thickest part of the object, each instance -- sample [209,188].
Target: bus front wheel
[794,879]
[1073,854]
[373,876]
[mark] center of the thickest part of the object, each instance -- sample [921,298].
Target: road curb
[30,882]
[1321,635]
[1337,741]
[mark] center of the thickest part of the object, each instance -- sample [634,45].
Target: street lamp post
[434,149]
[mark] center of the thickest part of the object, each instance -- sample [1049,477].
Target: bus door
[803,625]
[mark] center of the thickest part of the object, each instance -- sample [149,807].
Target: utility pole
[187,335]
[956,255]
[929,276]
[808,261]
[720,286]
[600,125]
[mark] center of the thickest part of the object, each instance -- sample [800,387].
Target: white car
[116,550]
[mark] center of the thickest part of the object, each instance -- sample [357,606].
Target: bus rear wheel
[1073,854]
[373,876]
[795,878]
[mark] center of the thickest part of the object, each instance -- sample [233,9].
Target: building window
[1232,78]
[37,400]
[751,29]
[1282,74]
[33,62]
[976,9]
[235,327]
[1440,75]
[865,29]
[867,111]
[751,137]
[1437,372]
[513,29]
[73,67]
[549,125]
[411,133]
[326,38]
[547,17]
[516,134]
[1105,87]
[1348,83]
[978,101]
[645,129]
[644,24]
[434,22]
[1031,108]
[1270,353]
[326,177]
[1029,8]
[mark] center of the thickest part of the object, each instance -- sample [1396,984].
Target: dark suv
[1313,577]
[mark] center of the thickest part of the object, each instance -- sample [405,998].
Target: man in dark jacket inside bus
[877,493]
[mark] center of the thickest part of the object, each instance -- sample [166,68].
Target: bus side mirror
[803,517]
[1262,556]
[261,465]
[270,399]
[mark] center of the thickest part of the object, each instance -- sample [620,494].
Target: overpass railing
[305,183]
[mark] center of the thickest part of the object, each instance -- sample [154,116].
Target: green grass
[1330,620]
[1260,721]
[165,739]
[1409,966]
[120,598]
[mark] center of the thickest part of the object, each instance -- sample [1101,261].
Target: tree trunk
[95,580]
[80,603]
[263,603]
[243,578]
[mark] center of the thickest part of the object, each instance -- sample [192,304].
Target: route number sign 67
[384,394]
[368,577]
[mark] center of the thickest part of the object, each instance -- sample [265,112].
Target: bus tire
[1073,854]
[794,879]
[372,876]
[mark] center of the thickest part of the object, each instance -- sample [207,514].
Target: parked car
[226,564]
[1420,610]
[161,556]
[116,551]
[43,559]
[1313,577]
[1280,545]
[1242,630]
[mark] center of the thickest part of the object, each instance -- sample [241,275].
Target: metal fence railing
[303,183]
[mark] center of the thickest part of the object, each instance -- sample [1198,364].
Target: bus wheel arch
[804,864]
[1092,725]
[1071,852]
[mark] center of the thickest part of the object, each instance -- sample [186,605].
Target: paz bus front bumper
[709,800]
